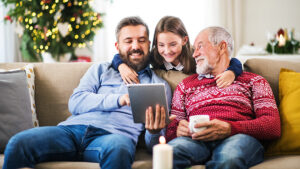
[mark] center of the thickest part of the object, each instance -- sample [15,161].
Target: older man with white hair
[241,115]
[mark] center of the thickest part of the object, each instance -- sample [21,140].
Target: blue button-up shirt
[95,102]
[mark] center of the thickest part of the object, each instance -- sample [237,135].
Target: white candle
[281,40]
[162,155]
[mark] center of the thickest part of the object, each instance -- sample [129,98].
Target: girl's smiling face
[169,46]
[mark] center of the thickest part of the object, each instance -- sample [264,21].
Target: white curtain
[230,16]
[9,42]
[195,14]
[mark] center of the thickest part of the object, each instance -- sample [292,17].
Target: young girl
[171,50]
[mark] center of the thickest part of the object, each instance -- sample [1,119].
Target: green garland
[288,48]
[54,26]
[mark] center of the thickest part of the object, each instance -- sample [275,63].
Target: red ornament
[37,27]
[8,18]
[45,32]
[46,1]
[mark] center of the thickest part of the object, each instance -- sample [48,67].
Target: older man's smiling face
[205,54]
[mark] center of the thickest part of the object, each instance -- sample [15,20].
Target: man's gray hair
[130,21]
[218,34]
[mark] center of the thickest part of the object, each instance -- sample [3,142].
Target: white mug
[197,119]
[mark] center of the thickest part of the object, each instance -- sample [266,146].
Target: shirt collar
[208,76]
[169,66]
[145,70]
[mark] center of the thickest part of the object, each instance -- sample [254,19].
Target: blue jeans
[238,151]
[69,143]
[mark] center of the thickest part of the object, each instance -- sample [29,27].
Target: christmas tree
[53,26]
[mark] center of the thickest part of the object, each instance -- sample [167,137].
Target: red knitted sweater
[247,104]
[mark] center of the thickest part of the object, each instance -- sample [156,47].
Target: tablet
[144,95]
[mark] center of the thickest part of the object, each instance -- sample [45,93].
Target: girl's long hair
[174,25]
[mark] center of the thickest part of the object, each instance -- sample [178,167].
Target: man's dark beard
[135,66]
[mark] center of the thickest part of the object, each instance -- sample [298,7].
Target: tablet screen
[144,95]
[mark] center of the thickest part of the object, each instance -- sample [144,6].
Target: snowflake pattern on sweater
[247,104]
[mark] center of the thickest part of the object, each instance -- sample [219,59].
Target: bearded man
[101,127]
[241,115]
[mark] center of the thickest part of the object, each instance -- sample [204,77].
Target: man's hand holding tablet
[149,105]
[155,122]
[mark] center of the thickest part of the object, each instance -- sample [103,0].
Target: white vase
[47,57]
[65,58]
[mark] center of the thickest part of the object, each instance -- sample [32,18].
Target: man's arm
[85,97]
[266,124]
[152,139]
[155,125]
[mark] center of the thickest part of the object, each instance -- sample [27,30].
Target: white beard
[205,68]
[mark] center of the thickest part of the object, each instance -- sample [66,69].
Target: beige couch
[56,81]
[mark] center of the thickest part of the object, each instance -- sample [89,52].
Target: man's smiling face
[133,46]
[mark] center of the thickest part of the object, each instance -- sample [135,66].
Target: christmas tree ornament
[61,6]
[8,18]
[34,20]
[37,27]
[57,16]
[46,1]
[45,33]
[78,20]
[63,28]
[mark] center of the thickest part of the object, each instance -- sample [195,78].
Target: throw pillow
[31,89]
[15,112]
[289,96]
[17,104]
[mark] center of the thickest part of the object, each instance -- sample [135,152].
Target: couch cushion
[172,77]
[289,95]
[1,160]
[55,83]
[143,160]
[270,69]
[280,162]
[15,111]
[286,162]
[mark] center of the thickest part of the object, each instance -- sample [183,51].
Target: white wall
[256,17]
[195,14]
[260,16]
